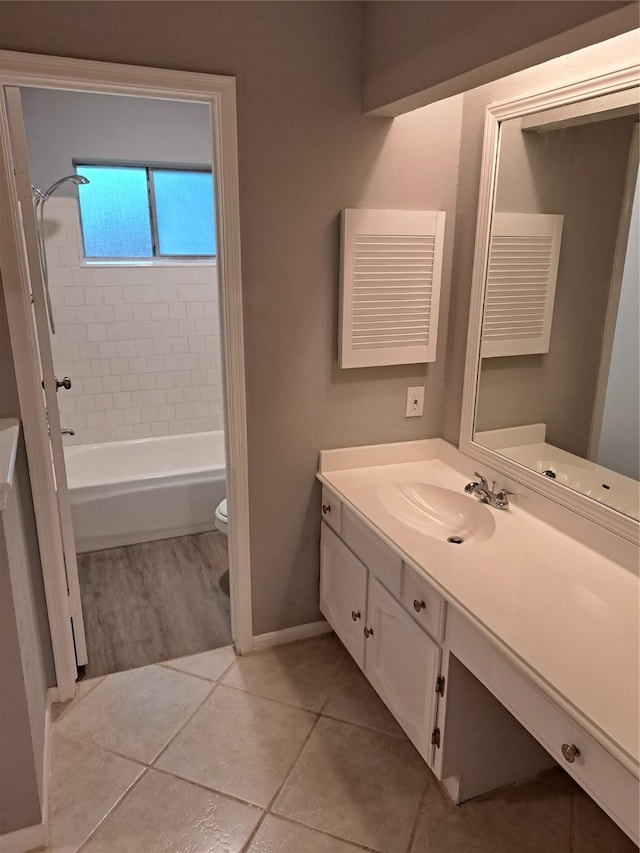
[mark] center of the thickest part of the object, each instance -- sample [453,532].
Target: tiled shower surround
[140,343]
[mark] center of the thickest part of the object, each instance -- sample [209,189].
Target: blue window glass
[114,207]
[184,212]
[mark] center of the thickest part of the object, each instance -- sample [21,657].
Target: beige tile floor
[285,751]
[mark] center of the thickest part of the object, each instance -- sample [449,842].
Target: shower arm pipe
[39,203]
[39,211]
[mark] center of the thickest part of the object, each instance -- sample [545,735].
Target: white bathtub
[123,492]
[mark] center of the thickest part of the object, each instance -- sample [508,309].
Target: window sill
[154,262]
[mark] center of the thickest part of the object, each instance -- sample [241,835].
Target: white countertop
[567,613]
[9,432]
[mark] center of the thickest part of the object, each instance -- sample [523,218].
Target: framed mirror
[552,376]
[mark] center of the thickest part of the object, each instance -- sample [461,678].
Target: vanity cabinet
[401,661]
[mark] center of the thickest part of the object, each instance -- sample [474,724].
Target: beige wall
[589,61]
[305,152]
[418,52]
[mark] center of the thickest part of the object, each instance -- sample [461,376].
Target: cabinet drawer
[331,510]
[423,603]
[595,769]
[377,557]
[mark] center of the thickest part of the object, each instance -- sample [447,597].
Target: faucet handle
[501,500]
[483,480]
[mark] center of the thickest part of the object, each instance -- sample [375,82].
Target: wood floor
[154,601]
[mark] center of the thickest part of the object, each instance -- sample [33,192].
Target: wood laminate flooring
[154,601]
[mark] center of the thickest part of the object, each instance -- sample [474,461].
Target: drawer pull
[570,752]
[326,508]
[355,615]
[368,632]
[418,605]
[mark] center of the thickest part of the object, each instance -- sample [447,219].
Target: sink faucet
[499,500]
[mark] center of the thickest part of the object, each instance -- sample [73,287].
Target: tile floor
[285,751]
[154,601]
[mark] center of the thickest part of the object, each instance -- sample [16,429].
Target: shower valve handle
[63,383]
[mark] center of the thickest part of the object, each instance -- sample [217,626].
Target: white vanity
[546,620]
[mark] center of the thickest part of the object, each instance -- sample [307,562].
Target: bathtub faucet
[67,431]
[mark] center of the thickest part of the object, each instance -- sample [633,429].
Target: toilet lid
[221,511]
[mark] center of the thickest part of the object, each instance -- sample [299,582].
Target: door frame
[47,72]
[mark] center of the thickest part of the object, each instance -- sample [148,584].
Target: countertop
[568,614]
[9,432]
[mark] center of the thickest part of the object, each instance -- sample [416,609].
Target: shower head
[74,179]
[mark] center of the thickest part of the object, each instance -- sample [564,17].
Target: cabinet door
[402,663]
[343,592]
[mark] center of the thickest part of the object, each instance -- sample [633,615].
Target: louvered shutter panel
[524,250]
[391,271]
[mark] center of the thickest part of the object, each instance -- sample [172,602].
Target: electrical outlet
[415,402]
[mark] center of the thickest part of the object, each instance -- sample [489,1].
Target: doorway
[216,94]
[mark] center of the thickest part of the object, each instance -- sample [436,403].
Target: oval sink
[437,512]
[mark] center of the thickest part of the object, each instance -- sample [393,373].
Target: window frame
[156,258]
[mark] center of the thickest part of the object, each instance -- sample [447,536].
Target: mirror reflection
[559,371]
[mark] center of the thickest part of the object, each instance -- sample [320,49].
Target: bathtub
[123,492]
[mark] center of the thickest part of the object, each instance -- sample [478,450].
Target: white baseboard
[52,697]
[24,839]
[30,837]
[289,635]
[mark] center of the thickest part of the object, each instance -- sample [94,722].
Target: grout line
[400,736]
[284,781]
[104,749]
[113,808]
[208,788]
[183,726]
[269,699]
[324,832]
[169,664]
[73,703]
[341,674]
[573,821]
[421,802]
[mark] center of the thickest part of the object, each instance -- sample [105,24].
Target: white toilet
[222,517]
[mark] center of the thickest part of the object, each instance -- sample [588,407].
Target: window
[146,212]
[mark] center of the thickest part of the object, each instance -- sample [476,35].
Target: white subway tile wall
[141,344]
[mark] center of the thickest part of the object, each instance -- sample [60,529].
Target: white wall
[140,343]
[61,126]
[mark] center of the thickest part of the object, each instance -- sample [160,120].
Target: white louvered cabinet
[391,270]
[522,269]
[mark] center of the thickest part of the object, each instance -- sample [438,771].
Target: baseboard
[24,839]
[289,635]
[53,696]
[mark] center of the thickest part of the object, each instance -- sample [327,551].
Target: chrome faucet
[67,431]
[499,500]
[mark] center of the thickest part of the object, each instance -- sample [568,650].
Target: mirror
[553,378]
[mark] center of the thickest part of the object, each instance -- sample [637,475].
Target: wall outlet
[415,402]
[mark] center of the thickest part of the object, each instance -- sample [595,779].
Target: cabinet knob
[326,508]
[368,632]
[355,615]
[570,752]
[418,605]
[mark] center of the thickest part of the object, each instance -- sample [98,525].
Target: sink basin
[438,512]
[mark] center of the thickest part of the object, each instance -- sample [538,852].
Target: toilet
[222,518]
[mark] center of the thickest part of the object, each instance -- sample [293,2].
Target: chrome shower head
[74,179]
